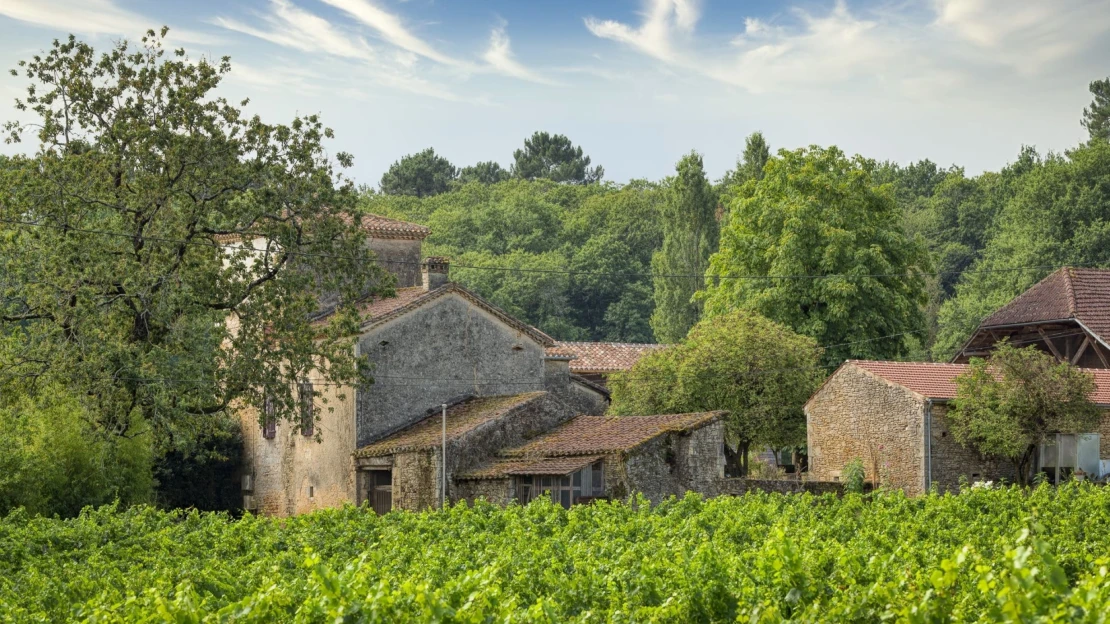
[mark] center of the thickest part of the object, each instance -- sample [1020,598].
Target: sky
[637,83]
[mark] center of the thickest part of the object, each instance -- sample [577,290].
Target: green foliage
[1007,404]
[121,292]
[978,556]
[750,165]
[554,157]
[853,476]
[545,230]
[53,460]
[421,174]
[485,172]
[1096,117]
[690,234]
[1056,213]
[818,213]
[759,371]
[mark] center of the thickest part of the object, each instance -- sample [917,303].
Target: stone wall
[949,460]
[496,491]
[672,464]
[415,480]
[292,473]
[399,256]
[858,415]
[443,350]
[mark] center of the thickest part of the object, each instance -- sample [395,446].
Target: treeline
[902,261]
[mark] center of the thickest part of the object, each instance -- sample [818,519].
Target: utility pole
[443,460]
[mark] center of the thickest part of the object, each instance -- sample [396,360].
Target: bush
[854,476]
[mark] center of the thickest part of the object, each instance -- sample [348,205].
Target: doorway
[379,490]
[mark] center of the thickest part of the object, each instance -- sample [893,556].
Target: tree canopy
[750,165]
[126,275]
[1096,117]
[1007,404]
[421,175]
[818,247]
[485,172]
[761,372]
[554,157]
[690,234]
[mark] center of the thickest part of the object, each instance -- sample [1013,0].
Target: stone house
[891,415]
[595,361]
[435,343]
[605,457]
[1066,314]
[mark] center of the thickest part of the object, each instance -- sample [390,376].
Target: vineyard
[983,555]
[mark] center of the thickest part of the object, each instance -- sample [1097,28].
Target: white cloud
[900,50]
[499,56]
[91,17]
[295,28]
[391,29]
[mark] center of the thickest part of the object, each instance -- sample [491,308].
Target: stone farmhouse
[891,415]
[1066,314]
[506,387]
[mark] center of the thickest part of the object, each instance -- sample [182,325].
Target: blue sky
[637,83]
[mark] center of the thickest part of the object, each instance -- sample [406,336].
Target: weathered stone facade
[952,461]
[859,415]
[399,256]
[291,473]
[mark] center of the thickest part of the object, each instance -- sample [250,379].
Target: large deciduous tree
[690,233]
[127,274]
[554,157]
[761,372]
[1096,117]
[817,247]
[750,165]
[1007,404]
[421,174]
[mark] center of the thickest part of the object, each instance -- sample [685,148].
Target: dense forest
[584,259]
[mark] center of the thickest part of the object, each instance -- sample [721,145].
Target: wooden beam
[1101,356]
[1051,347]
[1082,347]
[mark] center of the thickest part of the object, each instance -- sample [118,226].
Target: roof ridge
[1069,290]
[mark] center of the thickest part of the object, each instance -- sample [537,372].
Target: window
[589,482]
[269,418]
[1062,454]
[308,415]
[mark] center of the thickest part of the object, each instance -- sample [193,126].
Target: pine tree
[689,237]
[1096,118]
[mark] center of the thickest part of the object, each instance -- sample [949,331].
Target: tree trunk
[742,458]
[1023,464]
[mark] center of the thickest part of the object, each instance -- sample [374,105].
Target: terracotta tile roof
[503,468]
[602,357]
[462,418]
[378,310]
[593,435]
[1069,293]
[938,381]
[378,226]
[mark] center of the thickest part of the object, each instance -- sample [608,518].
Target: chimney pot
[434,271]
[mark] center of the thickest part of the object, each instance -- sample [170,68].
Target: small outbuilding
[593,457]
[892,416]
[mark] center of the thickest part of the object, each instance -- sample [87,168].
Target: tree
[125,278]
[750,166]
[759,371]
[817,247]
[689,238]
[486,172]
[421,174]
[554,157]
[1055,211]
[1096,117]
[1006,405]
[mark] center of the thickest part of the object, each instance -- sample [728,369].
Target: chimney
[434,270]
